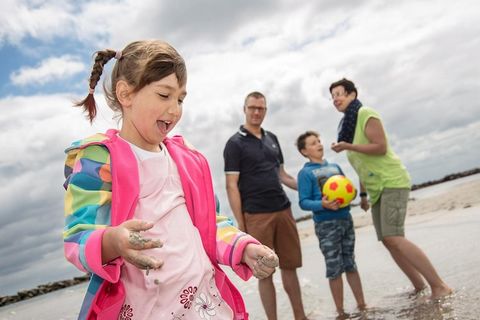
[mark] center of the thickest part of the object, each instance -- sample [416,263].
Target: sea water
[449,238]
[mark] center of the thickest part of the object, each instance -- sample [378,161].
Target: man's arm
[287,179]
[234,199]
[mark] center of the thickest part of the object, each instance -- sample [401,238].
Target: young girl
[140,208]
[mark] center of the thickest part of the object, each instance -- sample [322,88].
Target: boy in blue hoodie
[333,225]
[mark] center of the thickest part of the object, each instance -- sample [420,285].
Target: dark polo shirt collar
[244,132]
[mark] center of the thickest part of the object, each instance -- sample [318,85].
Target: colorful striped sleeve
[231,243]
[88,196]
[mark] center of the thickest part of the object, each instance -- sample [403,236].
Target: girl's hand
[127,242]
[260,259]
[330,205]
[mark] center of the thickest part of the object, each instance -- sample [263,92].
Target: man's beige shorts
[278,231]
[389,212]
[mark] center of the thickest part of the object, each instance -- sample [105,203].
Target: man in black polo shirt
[254,176]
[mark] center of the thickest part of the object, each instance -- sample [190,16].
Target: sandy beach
[443,220]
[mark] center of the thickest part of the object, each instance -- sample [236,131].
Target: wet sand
[443,220]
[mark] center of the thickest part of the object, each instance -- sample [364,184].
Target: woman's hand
[340,146]
[260,259]
[364,203]
[330,205]
[377,141]
[125,240]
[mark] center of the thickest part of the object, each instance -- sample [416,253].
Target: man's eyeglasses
[259,109]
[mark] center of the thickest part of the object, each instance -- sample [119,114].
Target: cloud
[413,62]
[50,69]
[43,20]
[31,178]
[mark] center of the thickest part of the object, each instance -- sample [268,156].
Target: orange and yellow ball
[339,188]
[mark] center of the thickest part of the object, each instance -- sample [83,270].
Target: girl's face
[313,148]
[341,99]
[151,113]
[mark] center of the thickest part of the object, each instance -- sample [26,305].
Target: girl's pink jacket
[83,239]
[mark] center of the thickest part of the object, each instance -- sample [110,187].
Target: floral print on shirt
[126,313]
[204,307]
[187,296]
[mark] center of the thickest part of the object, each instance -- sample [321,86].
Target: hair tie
[118,55]
[91,90]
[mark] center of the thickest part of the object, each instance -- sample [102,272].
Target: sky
[415,62]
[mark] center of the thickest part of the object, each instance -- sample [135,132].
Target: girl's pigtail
[89,105]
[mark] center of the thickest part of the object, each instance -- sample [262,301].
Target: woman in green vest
[386,181]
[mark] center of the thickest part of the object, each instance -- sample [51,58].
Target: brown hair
[255,94]
[140,63]
[301,139]
[348,85]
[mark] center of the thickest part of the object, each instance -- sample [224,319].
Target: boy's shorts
[337,243]
[278,231]
[389,212]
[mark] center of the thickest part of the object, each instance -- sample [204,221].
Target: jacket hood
[315,164]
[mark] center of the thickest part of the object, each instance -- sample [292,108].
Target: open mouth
[164,125]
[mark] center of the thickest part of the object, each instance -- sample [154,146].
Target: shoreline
[466,195]
[422,185]
[463,198]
